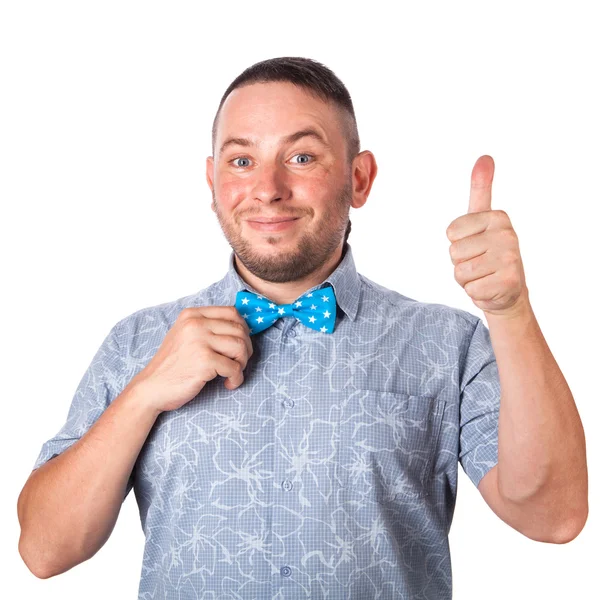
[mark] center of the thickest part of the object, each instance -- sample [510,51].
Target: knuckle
[186,313]
[193,324]
[240,343]
[510,237]
[204,354]
[458,274]
[237,318]
[237,367]
[454,251]
[504,220]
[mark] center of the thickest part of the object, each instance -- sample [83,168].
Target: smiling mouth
[273,219]
[277,224]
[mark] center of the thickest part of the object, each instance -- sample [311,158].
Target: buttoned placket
[287,431]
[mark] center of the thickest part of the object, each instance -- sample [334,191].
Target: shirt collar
[344,279]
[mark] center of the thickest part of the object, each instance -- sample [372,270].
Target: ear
[210,172]
[364,171]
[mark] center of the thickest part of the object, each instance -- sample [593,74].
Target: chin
[271,242]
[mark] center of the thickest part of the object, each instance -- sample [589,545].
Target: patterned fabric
[316,311]
[331,472]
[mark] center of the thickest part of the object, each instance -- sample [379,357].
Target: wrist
[520,310]
[138,392]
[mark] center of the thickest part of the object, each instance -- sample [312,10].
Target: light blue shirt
[331,472]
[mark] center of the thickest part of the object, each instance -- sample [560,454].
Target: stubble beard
[313,250]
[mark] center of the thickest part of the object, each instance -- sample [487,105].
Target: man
[294,429]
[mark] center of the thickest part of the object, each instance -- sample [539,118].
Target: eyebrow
[289,139]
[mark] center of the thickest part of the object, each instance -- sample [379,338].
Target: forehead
[275,109]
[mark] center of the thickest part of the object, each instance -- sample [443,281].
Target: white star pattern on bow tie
[319,316]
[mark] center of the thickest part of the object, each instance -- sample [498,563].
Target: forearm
[69,506]
[541,447]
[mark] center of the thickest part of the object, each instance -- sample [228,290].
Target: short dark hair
[316,79]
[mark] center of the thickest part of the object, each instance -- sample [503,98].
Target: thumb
[480,198]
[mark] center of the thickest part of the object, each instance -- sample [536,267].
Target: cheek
[315,189]
[323,197]
[230,193]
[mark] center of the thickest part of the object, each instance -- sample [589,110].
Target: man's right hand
[204,342]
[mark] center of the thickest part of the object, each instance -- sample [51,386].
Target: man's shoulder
[166,313]
[402,305]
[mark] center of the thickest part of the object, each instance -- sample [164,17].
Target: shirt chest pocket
[388,443]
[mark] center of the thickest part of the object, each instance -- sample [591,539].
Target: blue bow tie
[315,310]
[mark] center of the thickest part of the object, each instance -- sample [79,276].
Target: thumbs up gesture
[485,250]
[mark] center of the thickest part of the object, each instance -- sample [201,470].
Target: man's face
[307,179]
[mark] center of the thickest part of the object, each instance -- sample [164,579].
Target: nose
[270,184]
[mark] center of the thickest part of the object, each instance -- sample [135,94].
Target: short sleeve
[479,406]
[100,385]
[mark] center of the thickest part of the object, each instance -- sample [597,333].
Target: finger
[475,268]
[228,313]
[230,329]
[480,197]
[469,247]
[230,369]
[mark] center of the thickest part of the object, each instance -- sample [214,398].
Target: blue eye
[239,157]
[303,154]
[232,161]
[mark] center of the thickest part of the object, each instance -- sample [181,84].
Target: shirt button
[285,571]
[292,333]
[287,485]
[288,403]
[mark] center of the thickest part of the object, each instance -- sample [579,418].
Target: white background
[105,117]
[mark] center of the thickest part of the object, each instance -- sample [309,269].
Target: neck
[286,293]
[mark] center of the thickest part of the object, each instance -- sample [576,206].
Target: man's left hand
[485,250]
